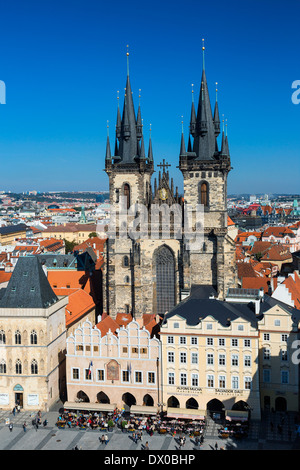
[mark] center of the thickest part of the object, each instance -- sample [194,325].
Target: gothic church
[151,274]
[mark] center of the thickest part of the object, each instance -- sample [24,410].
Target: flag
[90,368]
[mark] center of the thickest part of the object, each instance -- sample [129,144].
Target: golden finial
[192,92]
[182,123]
[203,48]
[127,53]
[107,125]
[216,91]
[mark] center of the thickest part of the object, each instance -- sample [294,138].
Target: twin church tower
[154,272]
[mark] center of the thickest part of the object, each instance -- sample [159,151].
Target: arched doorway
[216,409]
[148,400]
[102,398]
[280,404]
[240,406]
[164,263]
[82,396]
[128,400]
[173,402]
[192,404]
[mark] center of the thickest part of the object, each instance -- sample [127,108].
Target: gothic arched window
[2,337]
[204,194]
[125,261]
[34,367]
[126,193]
[17,337]
[3,367]
[18,367]
[33,337]
[165,279]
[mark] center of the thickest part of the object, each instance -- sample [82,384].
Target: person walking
[106,439]
[146,446]
[11,427]
[24,426]
[216,446]
[102,439]
[14,410]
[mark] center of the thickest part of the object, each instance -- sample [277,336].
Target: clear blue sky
[63,62]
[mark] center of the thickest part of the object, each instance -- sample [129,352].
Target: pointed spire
[150,151]
[190,145]
[182,145]
[108,152]
[118,125]
[139,124]
[216,114]
[193,115]
[203,49]
[226,140]
[142,149]
[127,53]
[223,146]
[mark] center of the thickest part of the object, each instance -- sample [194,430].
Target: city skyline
[63,65]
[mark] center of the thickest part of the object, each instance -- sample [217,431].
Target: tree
[69,246]
[92,235]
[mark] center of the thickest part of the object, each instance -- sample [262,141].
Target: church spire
[139,124]
[193,115]
[182,145]
[108,151]
[223,146]
[150,151]
[216,114]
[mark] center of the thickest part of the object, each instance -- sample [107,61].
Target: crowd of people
[129,423]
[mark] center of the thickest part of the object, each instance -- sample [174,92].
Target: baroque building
[152,268]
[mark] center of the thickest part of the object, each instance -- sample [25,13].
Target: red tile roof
[80,303]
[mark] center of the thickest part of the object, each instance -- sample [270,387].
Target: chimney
[257,306]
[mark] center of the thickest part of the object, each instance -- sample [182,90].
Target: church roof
[28,286]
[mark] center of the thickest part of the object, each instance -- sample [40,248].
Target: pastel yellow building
[210,354]
[278,357]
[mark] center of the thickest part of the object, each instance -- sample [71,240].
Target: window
[277,322]
[34,367]
[176,325]
[33,337]
[221,359]
[171,378]
[284,338]
[151,378]
[221,341]
[209,341]
[134,350]
[125,376]
[183,358]
[266,375]
[210,381]
[18,367]
[138,377]
[75,374]
[100,375]
[284,355]
[126,193]
[183,379]
[88,374]
[266,336]
[79,347]
[144,350]
[170,339]
[209,326]
[195,380]
[204,194]
[194,358]
[171,357]
[247,343]
[194,340]
[182,340]
[222,381]
[234,342]
[17,337]
[284,377]
[2,367]
[125,261]
[125,350]
[267,353]
[210,359]
[235,381]
[241,327]
[247,361]
[234,360]
[2,337]
[247,383]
